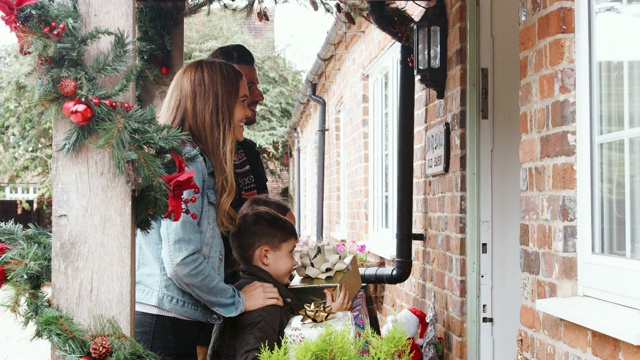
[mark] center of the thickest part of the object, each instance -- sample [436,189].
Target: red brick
[575,336]
[526,94]
[558,21]
[604,347]
[527,37]
[562,113]
[538,60]
[564,176]
[524,123]
[528,317]
[524,67]
[561,143]
[528,150]
[540,174]
[630,352]
[561,51]
[547,85]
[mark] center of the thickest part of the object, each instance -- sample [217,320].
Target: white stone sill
[611,319]
[382,248]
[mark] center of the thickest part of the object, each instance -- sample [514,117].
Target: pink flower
[361,248]
[340,247]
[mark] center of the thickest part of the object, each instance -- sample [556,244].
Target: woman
[180,265]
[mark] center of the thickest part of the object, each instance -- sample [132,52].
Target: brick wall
[439,201]
[548,186]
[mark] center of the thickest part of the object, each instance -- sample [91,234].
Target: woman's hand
[342,303]
[259,294]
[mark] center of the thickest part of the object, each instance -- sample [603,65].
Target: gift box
[308,289]
[297,331]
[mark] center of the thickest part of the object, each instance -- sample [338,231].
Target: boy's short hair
[264,200]
[236,54]
[260,227]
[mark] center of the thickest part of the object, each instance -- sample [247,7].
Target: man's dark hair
[260,227]
[236,54]
[264,200]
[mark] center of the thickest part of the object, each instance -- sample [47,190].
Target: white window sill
[611,319]
[384,249]
[339,235]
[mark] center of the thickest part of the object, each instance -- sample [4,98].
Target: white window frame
[600,276]
[607,298]
[340,233]
[382,238]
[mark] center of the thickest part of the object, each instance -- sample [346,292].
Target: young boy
[263,243]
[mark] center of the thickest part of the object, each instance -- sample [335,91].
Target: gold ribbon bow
[316,312]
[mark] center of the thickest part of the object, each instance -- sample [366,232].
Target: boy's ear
[263,254]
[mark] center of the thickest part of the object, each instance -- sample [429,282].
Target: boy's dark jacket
[242,336]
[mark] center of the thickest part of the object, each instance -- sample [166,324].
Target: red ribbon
[179,182]
[9,8]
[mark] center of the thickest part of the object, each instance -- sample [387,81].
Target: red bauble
[96,101]
[114,104]
[78,111]
[46,30]
[67,87]
[126,106]
[53,24]
[62,27]
[165,70]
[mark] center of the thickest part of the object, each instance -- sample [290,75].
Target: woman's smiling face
[241,111]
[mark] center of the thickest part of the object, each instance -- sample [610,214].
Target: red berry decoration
[62,27]
[78,111]
[67,87]
[107,103]
[86,358]
[46,30]
[194,216]
[196,191]
[96,101]
[114,104]
[193,199]
[165,70]
[126,106]
[100,347]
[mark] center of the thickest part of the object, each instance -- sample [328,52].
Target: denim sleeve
[192,249]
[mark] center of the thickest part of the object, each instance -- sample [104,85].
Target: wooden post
[93,265]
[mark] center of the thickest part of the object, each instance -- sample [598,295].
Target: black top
[260,178]
[242,336]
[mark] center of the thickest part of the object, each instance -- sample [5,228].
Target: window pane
[635,196]
[385,152]
[611,97]
[634,93]
[612,199]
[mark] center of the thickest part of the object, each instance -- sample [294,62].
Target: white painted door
[500,275]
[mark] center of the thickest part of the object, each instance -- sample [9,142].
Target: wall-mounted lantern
[430,48]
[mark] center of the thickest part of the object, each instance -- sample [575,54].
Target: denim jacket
[180,265]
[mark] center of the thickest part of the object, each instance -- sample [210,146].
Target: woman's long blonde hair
[201,101]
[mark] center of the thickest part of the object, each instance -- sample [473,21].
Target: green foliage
[339,343]
[279,80]
[28,266]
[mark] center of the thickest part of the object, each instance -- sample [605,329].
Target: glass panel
[611,97]
[435,47]
[385,152]
[634,189]
[423,46]
[634,93]
[611,191]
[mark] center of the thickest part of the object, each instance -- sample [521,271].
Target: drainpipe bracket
[418,237]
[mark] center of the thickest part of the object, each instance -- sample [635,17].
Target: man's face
[255,95]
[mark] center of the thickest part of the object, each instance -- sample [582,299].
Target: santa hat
[422,320]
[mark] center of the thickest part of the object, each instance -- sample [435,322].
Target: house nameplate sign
[437,159]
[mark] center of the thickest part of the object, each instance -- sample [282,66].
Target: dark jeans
[172,338]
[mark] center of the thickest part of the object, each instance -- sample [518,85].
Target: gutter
[322,129]
[404,207]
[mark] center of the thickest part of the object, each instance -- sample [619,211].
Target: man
[251,177]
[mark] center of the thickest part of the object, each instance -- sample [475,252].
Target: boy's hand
[342,303]
[258,295]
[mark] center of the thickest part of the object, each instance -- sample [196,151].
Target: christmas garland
[141,149]
[51,32]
